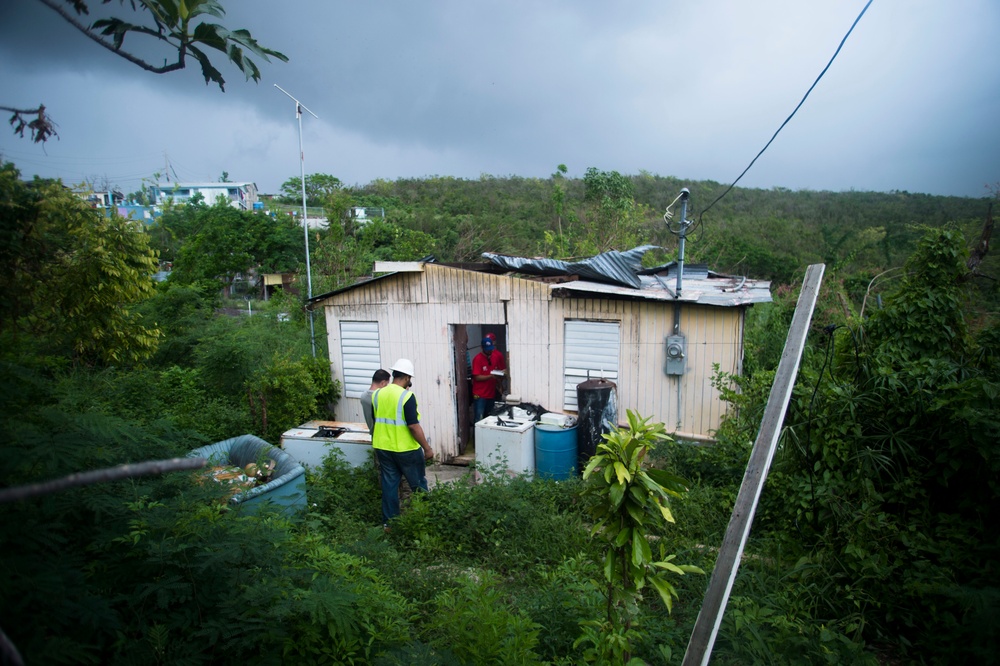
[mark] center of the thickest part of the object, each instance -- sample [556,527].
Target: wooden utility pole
[706,627]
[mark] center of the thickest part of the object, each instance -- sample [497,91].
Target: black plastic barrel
[597,407]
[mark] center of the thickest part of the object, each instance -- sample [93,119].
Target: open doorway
[467,343]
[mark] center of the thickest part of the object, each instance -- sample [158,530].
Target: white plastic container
[510,443]
[551,418]
[307,446]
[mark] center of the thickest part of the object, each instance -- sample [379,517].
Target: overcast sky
[464,88]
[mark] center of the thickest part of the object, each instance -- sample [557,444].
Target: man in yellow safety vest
[398,441]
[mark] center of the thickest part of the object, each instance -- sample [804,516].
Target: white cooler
[308,445]
[502,441]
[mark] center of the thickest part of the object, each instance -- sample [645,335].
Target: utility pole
[305,224]
[706,626]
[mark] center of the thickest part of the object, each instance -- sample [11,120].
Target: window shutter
[592,350]
[359,349]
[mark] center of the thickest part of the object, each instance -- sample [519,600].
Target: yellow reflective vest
[391,432]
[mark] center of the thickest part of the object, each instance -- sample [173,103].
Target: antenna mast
[684,224]
[299,106]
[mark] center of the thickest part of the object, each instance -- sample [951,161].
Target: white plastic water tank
[508,443]
[308,445]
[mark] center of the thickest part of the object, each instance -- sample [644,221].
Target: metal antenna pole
[680,250]
[299,106]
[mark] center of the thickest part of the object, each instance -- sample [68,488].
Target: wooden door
[463,390]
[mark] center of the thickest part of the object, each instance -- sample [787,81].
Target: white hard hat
[403,365]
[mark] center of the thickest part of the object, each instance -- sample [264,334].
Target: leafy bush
[628,501]
[886,479]
[502,524]
[558,599]
[479,625]
[71,277]
[345,500]
[173,397]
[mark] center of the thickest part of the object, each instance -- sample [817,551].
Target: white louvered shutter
[360,353]
[592,350]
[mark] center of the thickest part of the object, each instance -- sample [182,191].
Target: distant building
[238,195]
[114,201]
[271,281]
[363,216]
[144,214]
[104,199]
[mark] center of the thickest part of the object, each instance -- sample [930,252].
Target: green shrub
[502,524]
[795,616]
[345,501]
[558,599]
[478,624]
[346,612]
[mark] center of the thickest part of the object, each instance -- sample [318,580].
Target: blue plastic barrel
[555,451]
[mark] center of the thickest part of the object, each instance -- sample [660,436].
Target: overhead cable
[834,57]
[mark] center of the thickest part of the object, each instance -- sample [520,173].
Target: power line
[834,57]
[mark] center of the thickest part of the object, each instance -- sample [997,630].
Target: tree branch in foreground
[99,476]
[172,67]
[41,127]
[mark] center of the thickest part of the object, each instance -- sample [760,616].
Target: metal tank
[597,405]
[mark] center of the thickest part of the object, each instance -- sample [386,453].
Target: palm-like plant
[628,502]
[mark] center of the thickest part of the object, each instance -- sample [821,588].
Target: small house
[655,332]
[238,195]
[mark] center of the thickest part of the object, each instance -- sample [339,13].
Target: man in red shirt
[488,368]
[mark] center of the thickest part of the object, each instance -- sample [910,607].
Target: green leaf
[671,483]
[666,590]
[669,566]
[635,513]
[640,550]
[665,512]
[211,35]
[211,74]
[617,494]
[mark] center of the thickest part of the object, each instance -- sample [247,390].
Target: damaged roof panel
[621,268]
[621,274]
[614,274]
[717,291]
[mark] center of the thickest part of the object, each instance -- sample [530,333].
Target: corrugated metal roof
[621,274]
[615,267]
[355,285]
[718,290]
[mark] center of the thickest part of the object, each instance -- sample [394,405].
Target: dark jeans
[392,467]
[483,408]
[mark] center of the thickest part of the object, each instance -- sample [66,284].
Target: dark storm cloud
[515,88]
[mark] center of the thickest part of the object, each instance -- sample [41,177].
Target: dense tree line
[766,234]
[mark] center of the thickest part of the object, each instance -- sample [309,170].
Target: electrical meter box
[676,347]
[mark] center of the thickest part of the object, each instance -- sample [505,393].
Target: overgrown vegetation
[874,541]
